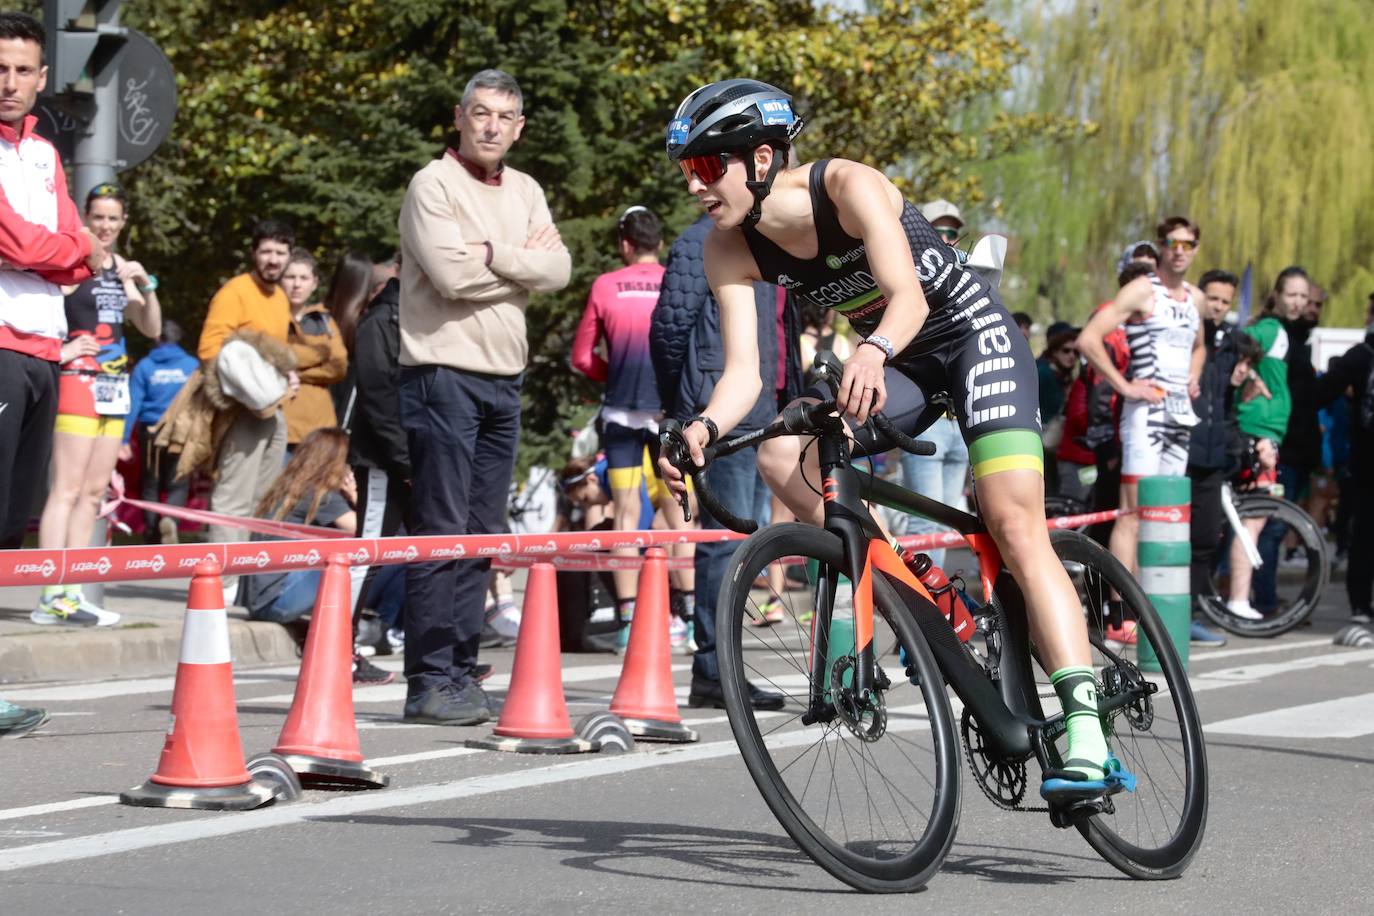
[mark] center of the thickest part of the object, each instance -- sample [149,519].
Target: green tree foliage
[320,113]
[1254,118]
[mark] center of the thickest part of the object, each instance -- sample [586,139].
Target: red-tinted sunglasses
[708,168]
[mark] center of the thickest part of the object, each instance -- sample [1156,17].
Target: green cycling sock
[52,591]
[1077,690]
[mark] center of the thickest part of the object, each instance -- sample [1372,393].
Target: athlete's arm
[589,331]
[731,272]
[870,208]
[1133,299]
[1199,349]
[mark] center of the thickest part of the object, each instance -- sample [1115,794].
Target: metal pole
[97,145]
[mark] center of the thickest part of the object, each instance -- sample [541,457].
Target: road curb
[129,651]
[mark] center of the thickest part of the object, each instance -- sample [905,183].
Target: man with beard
[251,306]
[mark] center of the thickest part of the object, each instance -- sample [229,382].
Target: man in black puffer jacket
[685,342]
[1353,372]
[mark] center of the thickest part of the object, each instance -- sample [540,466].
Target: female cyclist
[92,401]
[838,234]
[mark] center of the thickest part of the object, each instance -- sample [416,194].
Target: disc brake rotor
[867,720]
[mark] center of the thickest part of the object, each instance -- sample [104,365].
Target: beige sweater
[456,311]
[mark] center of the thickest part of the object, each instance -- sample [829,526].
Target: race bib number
[1180,407]
[111,395]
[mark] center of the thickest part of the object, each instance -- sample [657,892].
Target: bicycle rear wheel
[1154,831]
[876,806]
[1288,594]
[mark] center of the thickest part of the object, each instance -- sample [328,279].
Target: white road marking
[1348,717]
[100,690]
[1224,654]
[74,804]
[1235,677]
[423,755]
[147,837]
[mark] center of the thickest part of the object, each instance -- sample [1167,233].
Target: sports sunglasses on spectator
[948,233]
[1178,244]
[708,168]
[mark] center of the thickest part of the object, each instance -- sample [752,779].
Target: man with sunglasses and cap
[945,219]
[838,234]
[1164,334]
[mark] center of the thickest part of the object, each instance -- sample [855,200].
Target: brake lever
[674,447]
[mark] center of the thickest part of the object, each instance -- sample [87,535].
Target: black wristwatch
[712,430]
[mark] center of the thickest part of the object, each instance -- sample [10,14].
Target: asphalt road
[1290,727]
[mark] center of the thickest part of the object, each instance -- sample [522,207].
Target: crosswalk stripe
[1347,717]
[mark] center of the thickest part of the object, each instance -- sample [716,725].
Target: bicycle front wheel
[875,802]
[1288,588]
[1154,831]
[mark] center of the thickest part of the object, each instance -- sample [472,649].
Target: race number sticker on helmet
[776,111]
[678,131]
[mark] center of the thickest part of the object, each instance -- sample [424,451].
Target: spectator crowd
[392,403]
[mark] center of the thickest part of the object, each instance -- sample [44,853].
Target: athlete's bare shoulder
[728,257]
[858,191]
[1136,299]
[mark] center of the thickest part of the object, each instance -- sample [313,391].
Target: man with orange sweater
[254,448]
[476,240]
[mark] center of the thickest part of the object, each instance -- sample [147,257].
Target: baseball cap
[1060,327]
[1134,250]
[936,209]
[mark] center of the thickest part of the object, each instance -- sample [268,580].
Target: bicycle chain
[987,768]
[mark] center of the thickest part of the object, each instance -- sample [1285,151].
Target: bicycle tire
[1096,575]
[876,864]
[1059,506]
[1315,577]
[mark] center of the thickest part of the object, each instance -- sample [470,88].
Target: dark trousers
[382,510]
[28,393]
[158,476]
[1359,571]
[731,479]
[463,429]
[1208,520]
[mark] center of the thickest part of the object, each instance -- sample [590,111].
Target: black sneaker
[709,693]
[447,705]
[366,674]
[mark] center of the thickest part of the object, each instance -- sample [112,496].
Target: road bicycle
[861,767]
[1286,589]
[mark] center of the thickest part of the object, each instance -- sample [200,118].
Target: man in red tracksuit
[42,247]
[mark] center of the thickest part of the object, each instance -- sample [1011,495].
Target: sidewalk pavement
[146,642]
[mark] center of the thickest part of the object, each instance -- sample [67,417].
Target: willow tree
[1255,118]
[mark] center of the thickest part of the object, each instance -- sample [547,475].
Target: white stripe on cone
[205,637]
[1163,532]
[1165,580]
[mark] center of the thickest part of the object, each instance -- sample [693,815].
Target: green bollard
[1163,553]
[840,640]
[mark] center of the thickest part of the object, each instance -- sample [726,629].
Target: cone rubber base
[535,745]
[252,794]
[660,730]
[328,773]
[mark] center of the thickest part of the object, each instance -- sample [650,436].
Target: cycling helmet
[734,117]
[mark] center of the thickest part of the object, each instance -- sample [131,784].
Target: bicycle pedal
[1074,813]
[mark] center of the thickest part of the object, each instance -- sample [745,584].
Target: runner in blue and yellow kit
[838,234]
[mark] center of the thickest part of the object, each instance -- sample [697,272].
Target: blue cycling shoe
[1066,786]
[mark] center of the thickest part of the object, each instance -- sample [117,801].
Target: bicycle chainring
[1003,783]
[867,721]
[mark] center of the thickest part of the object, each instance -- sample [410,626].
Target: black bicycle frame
[1005,717]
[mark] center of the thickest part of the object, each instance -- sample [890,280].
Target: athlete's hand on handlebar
[862,390]
[695,436]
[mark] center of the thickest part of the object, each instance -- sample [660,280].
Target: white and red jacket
[42,247]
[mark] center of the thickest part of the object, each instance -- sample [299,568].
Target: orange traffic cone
[644,695]
[534,719]
[320,737]
[202,759]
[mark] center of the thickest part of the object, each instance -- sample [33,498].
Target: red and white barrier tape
[129,564]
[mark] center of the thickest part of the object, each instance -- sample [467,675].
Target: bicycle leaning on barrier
[861,765]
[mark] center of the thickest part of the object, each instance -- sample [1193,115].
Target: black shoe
[597,642]
[366,674]
[709,693]
[447,705]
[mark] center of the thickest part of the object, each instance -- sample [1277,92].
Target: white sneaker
[602,615]
[506,621]
[397,638]
[62,610]
[677,635]
[1243,610]
[104,618]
